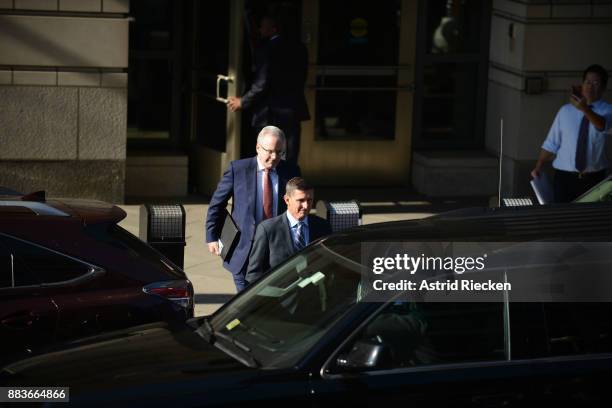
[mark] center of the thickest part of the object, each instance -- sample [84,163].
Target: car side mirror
[365,354]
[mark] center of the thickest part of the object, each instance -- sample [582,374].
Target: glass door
[215,74]
[359,91]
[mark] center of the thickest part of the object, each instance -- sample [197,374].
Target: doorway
[359,91]
[215,73]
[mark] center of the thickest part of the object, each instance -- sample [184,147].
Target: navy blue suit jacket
[277,92]
[240,182]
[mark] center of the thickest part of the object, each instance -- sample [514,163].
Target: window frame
[327,373]
[93,270]
[425,57]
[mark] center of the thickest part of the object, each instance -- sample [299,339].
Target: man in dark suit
[276,96]
[280,237]
[256,186]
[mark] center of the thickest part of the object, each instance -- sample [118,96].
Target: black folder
[230,235]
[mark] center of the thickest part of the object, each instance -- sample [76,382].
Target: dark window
[122,240]
[34,264]
[451,74]
[560,329]
[357,70]
[154,72]
[415,334]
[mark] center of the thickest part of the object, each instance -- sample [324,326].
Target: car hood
[147,354]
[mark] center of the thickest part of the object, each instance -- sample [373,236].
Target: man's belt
[583,174]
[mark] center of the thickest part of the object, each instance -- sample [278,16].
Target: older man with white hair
[257,186]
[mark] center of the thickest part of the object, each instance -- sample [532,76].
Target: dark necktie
[582,144]
[267,195]
[300,239]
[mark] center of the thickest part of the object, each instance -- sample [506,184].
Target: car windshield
[601,192]
[291,308]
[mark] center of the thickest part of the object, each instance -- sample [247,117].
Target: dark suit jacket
[274,243]
[277,92]
[240,182]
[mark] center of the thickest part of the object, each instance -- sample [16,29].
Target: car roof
[558,221]
[88,211]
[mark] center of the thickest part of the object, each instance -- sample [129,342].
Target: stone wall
[546,43]
[63,97]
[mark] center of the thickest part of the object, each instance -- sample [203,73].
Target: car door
[568,347]
[28,316]
[63,279]
[424,354]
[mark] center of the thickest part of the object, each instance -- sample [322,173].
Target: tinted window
[560,329]
[130,245]
[34,264]
[437,333]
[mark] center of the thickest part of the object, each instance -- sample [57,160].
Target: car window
[420,333]
[283,314]
[123,240]
[560,329]
[34,264]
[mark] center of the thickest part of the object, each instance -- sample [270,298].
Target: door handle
[219,79]
[20,321]
[497,400]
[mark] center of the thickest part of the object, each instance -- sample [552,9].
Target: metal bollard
[340,214]
[163,227]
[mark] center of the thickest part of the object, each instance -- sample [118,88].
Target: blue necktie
[582,144]
[300,239]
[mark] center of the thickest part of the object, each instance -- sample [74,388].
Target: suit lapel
[287,237]
[282,181]
[250,181]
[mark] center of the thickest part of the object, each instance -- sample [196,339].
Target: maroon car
[67,270]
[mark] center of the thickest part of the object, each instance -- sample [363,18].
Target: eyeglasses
[269,151]
[593,83]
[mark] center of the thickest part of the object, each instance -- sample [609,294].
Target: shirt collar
[260,167]
[293,222]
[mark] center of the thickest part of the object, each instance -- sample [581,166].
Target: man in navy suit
[276,239]
[276,96]
[256,186]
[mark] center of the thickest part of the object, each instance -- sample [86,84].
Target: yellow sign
[359,27]
[232,324]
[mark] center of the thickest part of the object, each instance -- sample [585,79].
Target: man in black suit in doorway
[276,239]
[276,96]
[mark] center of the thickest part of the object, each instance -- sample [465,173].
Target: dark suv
[67,270]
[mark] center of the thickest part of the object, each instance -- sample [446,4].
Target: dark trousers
[239,280]
[569,185]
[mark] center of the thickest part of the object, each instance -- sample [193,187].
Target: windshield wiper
[249,360]
[206,331]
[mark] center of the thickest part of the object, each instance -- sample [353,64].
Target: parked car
[302,336]
[67,270]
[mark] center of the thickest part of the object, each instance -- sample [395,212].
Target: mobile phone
[577,91]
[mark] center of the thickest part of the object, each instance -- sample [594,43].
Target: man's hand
[535,173]
[577,99]
[234,103]
[213,248]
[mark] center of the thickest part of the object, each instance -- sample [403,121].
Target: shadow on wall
[212,298]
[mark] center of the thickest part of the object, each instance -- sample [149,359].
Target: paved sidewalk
[213,284]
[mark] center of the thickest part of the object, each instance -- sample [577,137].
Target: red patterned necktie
[267,195]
